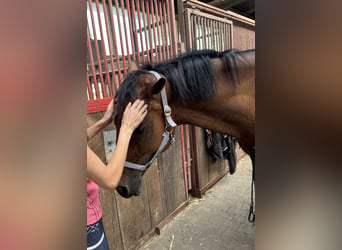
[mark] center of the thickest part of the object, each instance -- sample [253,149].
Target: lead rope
[251,215]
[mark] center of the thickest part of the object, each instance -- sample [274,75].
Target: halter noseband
[167,135]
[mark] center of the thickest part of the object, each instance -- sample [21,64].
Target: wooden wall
[127,221]
[243,36]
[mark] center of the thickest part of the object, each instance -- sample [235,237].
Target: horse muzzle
[128,191]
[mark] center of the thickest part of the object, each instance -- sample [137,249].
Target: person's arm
[109,176]
[99,125]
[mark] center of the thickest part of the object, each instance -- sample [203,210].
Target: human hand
[108,115]
[134,114]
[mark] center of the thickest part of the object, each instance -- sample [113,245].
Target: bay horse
[209,89]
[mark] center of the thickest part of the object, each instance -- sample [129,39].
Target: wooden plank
[202,157]
[165,162]
[212,167]
[142,212]
[154,192]
[126,220]
[178,171]
[222,166]
[134,217]
[110,219]
[170,163]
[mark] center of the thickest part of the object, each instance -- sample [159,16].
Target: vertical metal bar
[154,32]
[158,34]
[184,163]
[92,63]
[114,41]
[120,34]
[224,37]
[203,32]
[169,25]
[131,28]
[97,48]
[197,33]
[188,153]
[195,161]
[135,29]
[167,47]
[216,36]
[228,36]
[181,20]
[162,32]
[221,35]
[125,27]
[90,92]
[192,37]
[149,30]
[212,35]
[231,32]
[145,29]
[141,38]
[110,46]
[140,29]
[174,33]
[206,32]
[103,49]
[189,30]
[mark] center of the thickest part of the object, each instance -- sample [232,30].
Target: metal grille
[205,31]
[119,32]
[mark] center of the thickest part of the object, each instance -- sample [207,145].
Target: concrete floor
[217,221]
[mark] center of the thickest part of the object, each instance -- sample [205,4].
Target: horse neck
[230,111]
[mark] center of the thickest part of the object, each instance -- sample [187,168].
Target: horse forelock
[127,92]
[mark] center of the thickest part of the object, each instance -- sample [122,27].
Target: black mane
[190,76]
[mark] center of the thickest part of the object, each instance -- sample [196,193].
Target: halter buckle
[167,110]
[168,129]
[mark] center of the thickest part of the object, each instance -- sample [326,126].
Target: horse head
[148,137]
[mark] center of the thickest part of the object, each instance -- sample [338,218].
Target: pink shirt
[94,211]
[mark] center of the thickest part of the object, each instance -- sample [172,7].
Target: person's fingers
[143,109]
[128,106]
[144,114]
[140,105]
[135,104]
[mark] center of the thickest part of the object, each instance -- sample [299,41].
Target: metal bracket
[109,138]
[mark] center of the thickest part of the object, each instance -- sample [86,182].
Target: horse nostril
[123,191]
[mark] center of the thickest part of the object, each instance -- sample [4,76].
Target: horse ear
[158,86]
[132,67]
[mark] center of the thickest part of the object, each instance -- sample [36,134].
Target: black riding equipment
[222,147]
